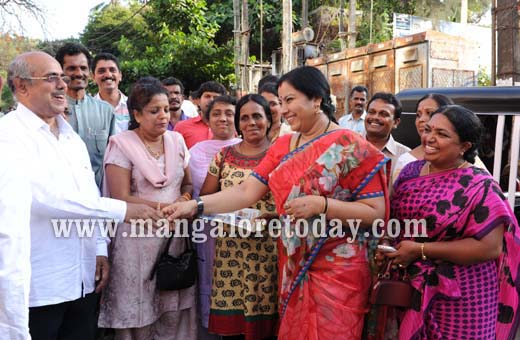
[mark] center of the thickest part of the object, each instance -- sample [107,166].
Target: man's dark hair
[211,86]
[72,49]
[358,88]
[104,56]
[388,98]
[170,81]
[270,78]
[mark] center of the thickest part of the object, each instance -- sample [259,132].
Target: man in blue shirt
[355,120]
[91,118]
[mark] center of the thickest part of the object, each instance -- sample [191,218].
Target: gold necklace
[428,167]
[300,135]
[155,154]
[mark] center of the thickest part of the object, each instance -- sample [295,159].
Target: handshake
[181,208]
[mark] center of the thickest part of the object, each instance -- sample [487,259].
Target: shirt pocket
[96,140]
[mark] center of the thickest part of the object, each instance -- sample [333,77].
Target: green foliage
[221,12]
[12,45]
[382,19]
[107,24]
[449,10]
[7,100]
[483,77]
[162,38]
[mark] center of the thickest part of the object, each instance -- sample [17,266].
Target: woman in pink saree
[465,269]
[321,170]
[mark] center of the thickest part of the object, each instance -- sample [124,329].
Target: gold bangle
[186,196]
[424,258]
[326,208]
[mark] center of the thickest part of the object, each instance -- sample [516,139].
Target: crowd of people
[70,158]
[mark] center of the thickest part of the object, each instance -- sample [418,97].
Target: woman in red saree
[322,169]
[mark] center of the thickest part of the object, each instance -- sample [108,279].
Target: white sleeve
[75,205]
[15,243]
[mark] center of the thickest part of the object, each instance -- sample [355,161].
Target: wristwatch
[200,206]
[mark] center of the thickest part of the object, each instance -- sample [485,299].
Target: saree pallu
[452,301]
[332,298]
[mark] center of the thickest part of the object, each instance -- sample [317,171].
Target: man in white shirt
[107,76]
[355,120]
[383,116]
[64,269]
[15,207]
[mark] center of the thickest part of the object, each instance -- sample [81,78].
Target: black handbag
[175,273]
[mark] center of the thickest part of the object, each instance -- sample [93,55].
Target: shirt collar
[122,98]
[34,122]
[351,116]
[390,146]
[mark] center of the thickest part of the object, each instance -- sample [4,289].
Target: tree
[12,45]
[161,38]
[449,10]
[382,18]
[13,14]
[107,24]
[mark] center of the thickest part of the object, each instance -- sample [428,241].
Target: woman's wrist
[321,205]
[419,250]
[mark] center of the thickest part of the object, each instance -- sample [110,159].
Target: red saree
[331,300]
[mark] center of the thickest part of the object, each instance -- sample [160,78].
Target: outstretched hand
[178,210]
[141,211]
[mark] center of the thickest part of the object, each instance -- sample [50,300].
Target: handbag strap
[312,256]
[387,274]
[163,253]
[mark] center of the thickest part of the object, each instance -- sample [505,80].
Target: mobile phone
[386,249]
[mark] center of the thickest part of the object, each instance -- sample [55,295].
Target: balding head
[24,66]
[38,83]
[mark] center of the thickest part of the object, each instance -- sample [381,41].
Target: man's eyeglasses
[51,78]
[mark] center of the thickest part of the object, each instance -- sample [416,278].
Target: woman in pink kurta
[154,171]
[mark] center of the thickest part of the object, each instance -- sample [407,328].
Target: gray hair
[19,68]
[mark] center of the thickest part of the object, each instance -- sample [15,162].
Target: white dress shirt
[62,186]
[15,243]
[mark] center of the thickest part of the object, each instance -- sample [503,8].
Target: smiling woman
[321,169]
[240,306]
[465,271]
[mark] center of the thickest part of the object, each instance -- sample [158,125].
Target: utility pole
[352,24]
[245,45]
[305,13]
[341,32]
[464,11]
[236,37]
[287,36]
